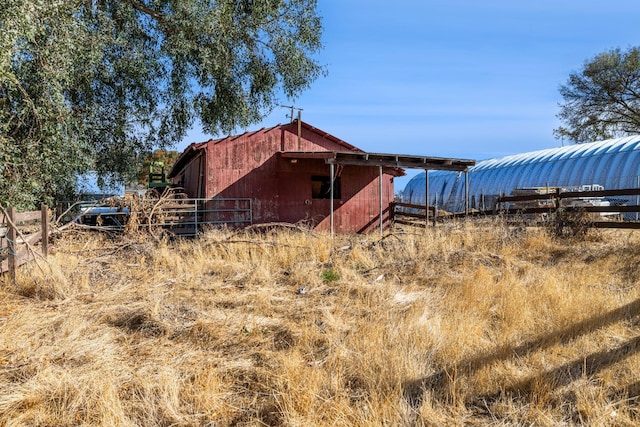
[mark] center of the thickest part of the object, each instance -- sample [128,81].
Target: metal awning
[393,161]
[384,160]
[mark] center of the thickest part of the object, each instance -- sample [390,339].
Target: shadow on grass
[442,383]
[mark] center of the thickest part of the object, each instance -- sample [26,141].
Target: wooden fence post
[44,224]
[392,213]
[435,211]
[11,241]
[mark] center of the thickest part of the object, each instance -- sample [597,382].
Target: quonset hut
[614,164]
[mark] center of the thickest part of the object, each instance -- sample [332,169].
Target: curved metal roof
[613,163]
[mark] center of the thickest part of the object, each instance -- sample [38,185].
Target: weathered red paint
[251,165]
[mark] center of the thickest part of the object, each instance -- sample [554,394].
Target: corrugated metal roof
[394,161]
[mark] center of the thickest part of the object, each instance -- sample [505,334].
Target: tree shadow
[375,221]
[442,383]
[567,373]
[631,392]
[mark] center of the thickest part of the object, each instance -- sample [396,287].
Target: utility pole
[291,116]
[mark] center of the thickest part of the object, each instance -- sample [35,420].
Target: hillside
[459,325]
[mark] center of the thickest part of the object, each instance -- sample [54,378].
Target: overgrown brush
[458,324]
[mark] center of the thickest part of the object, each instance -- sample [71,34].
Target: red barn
[286,172]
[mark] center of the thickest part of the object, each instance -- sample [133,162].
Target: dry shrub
[571,223]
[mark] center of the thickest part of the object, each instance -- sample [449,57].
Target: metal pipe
[299,127]
[381,208]
[331,171]
[466,192]
[426,197]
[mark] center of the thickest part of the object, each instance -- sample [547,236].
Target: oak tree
[92,84]
[602,100]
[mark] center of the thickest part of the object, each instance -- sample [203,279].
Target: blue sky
[452,78]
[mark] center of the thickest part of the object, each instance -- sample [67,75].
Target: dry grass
[459,325]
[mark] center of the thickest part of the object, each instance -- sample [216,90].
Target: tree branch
[160,18]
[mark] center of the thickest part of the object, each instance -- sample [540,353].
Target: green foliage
[88,84]
[602,100]
[330,275]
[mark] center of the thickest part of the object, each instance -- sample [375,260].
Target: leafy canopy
[92,84]
[602,100]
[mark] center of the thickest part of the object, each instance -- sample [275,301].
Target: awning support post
[381,203]
[426,198]
[331,172]
[466,192]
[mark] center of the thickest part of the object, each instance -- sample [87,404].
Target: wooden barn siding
[362,211]
[309,141]
[245,167]
[191,177]
[249,166]
[357,210]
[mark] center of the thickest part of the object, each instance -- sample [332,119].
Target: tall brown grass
[462,324]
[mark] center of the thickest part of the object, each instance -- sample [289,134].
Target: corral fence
[412,214]
[172,215]
[597,208]
[23,236]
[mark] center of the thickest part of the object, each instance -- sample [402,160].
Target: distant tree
[602,100]
[91,84]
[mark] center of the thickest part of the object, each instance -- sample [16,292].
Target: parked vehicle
[552,201]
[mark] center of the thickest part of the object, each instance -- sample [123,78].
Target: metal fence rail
[178,216]
[189,217]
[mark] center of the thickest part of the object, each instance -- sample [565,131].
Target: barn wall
[309,140]
[190,178]
[250,165]
[232,161]
[358,210]
[361,211]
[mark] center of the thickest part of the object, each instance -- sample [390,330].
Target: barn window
[321,187]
